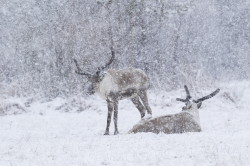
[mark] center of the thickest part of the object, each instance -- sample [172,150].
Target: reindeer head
[96,78]
[195,104]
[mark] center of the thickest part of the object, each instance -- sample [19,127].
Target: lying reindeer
[115,85]
[186,121]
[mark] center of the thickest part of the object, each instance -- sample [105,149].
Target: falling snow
[47,117]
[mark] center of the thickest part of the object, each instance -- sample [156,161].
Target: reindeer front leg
[110,110]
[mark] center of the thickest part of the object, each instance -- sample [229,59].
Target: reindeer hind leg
[144,97]
[138,105]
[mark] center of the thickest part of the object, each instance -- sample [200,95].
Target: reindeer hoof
[142,115]
[106,133]
[148,116]
[116,132]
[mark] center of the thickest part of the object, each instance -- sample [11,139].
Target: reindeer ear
[98,71]
[199,105]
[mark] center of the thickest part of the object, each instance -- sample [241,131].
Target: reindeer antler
[109,62]
[200,100]
[188,95]
[208,96]
[112,53]
[187,92]
[78,71]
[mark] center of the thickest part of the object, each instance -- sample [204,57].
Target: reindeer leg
[116,117]
[110,110]
[144,97]
[138,105]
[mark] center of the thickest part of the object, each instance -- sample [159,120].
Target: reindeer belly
[128,93]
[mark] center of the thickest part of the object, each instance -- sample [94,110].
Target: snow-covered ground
[60,133]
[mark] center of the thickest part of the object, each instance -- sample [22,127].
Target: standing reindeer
[186,121]
[115,85]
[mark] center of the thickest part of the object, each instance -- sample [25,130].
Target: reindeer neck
[194,112]
[106,86]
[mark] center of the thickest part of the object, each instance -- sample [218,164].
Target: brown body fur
[169,124]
